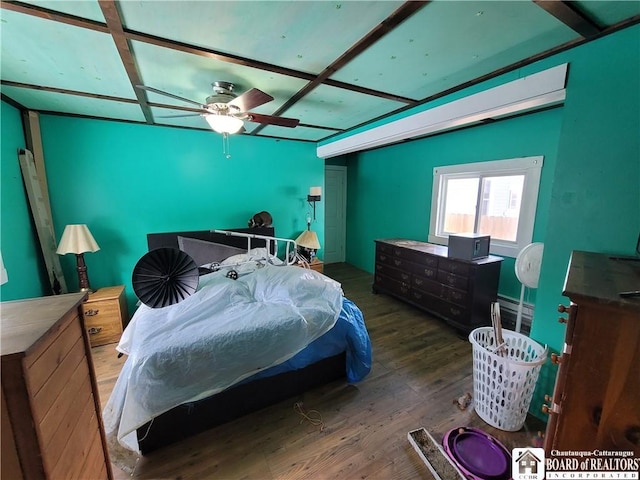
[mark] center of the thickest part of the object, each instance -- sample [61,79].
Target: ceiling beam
[77,93]
[571,17]
[247,62]
[392,21]
[114,22]
[12,102]
[47,14]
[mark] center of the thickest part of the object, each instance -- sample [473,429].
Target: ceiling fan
[226,112]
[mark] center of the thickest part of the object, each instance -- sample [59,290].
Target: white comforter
[225,332]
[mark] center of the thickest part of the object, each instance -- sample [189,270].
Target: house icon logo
[527,464]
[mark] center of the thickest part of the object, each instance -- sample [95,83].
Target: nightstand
[104,313]
[317,265]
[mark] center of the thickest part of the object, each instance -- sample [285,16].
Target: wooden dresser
[596,400]
[458,291]
[105,315]
[51,420]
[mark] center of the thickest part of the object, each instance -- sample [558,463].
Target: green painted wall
[595,200]
[126,180]
[20,247]
[389,189]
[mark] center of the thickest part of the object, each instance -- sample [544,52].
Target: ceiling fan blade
[271,120]
[167,94]
[179,116]
[250,99]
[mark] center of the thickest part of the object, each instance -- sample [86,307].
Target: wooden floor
[419,367]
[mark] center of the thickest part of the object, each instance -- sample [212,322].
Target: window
[496,198]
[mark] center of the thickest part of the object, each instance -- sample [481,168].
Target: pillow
[204,252]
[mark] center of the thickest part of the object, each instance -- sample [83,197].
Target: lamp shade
[77,239]
[224,123]
[308,239]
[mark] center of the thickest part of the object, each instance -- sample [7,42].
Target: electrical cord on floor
[312,416]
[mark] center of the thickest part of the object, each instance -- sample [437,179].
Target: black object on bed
[164,276]
[192,418]
[170,239]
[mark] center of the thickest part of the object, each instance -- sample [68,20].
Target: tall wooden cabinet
[596,399]
[458,291]
[51,420]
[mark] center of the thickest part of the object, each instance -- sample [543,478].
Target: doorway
[335,213]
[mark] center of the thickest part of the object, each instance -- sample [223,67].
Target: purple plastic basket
[477,454]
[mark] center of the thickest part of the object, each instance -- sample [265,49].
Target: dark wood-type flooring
[420,366]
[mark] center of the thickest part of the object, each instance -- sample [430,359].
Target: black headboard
[170,239]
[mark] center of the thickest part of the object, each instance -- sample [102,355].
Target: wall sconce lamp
[315,193]
[78,239]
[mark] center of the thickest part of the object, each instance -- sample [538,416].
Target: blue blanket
[348,334]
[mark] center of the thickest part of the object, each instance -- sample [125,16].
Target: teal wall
[20,247]
[126,180]
[595,200]
[590,188]
[389,189]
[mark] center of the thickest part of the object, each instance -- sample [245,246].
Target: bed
[233,347]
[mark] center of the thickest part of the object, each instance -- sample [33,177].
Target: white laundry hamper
[503,385]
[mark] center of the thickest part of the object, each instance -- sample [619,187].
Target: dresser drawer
[453,280]
[384,248]
[453,295]
[425,285]
[425,300]
[392,286]
[422,270]
[384,269]
[102,323]
[455,313]
[392,260]
[104,314]
[457,267]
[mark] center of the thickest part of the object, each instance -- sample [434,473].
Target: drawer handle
[94,330]
[563,309]
[418,281]
[397,253]
[397,262]
[383,257]
[405,276]
[91,313]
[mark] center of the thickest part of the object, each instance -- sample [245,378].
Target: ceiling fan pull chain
[225,145]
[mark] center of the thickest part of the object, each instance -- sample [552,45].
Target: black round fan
[164,276]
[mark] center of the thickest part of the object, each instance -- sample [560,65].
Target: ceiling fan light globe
[224,123]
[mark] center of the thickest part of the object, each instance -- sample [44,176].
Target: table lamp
[78,239]
[308,242]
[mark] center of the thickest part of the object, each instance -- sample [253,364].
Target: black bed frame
[170,239]
[195,417]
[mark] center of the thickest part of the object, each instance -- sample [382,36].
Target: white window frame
[530,167]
